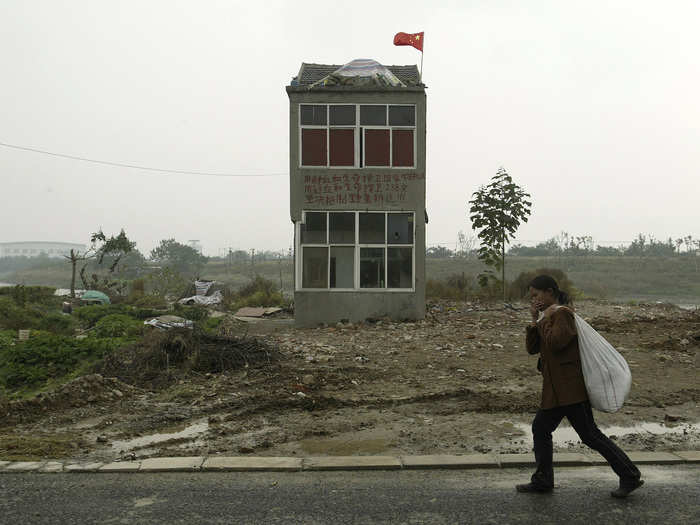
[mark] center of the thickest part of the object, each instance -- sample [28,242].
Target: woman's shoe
[626,487]
[533,487]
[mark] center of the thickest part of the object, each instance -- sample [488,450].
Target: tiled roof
[310,73]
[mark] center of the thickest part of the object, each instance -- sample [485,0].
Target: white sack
[605,371]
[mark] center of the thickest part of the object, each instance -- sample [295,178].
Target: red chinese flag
[408,39]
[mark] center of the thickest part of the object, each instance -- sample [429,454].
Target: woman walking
[552,334]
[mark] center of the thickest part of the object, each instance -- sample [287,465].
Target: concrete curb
[338,463]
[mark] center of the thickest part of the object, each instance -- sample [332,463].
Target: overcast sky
[592,107]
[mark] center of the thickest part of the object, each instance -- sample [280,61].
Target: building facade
[357,192]
[37,248]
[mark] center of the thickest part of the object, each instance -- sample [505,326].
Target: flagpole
[421,67]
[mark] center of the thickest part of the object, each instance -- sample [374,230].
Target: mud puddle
[191,434]
[566,435]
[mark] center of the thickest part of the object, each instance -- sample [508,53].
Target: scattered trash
[204,292]
[65,292]
[206,300]
[166,322]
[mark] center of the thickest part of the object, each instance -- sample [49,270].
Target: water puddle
[565,435]
[189,433]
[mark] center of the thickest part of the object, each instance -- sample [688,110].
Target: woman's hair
[546,282]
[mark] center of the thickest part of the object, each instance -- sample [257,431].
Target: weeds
[161,356]
[258,292]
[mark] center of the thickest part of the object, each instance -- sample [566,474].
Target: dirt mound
[79,392]
[164,356]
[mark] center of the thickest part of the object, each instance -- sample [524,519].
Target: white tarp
[202,287]
[64,292]
[165,322]
[205,300]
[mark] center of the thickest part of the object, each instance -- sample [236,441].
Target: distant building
[357,191]
[36,248]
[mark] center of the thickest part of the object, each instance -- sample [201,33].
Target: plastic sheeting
[205,300]
[202,287]
[166,322]
[360,72]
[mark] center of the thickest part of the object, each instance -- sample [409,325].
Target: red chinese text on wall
[386,188]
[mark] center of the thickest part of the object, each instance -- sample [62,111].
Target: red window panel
[342,147]
[313,147]
[402,147]
[377,147]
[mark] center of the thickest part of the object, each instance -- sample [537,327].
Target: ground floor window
[354,250]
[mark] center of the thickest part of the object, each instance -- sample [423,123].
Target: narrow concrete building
[357,192]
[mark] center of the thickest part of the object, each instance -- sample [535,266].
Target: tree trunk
[73,262]
[503,264]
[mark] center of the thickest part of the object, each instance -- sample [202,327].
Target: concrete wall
[314,307]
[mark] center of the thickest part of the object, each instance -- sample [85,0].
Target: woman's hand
[550,310]
[535,308]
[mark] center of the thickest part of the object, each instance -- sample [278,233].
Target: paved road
[438,496]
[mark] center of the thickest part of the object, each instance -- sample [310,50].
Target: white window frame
[359,138]
[357,246]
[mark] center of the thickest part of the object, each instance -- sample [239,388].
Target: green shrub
[257,284]
[194,312]
[57,323]
[30,294]
[118,325]
[457,286]
[47,356]
[149,301]
[137,288]
[15,317]
[258,292]
[144,313]
[7,339]
[90,314]
[211,325]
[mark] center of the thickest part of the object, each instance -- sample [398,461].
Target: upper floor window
[357,135]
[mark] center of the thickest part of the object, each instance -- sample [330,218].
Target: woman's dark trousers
[581,418]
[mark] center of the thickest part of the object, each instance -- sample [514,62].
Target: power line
[136,167]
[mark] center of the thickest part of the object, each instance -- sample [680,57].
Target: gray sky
[592,107]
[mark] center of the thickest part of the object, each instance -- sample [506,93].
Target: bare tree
[466,244]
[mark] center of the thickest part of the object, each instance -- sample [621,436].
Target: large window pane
[342,268]
[372,228]
[313,147]
[402,147]
[377,147]
[400,267]
[400,227]
[371,267]
[342,228]
[315,268]
[402,116]
[342,115]
[342,147]
[313,115]
[373,115]
[313,231]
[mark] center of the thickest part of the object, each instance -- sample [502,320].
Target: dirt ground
[458,382]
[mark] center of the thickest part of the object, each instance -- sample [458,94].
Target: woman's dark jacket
[554,338]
